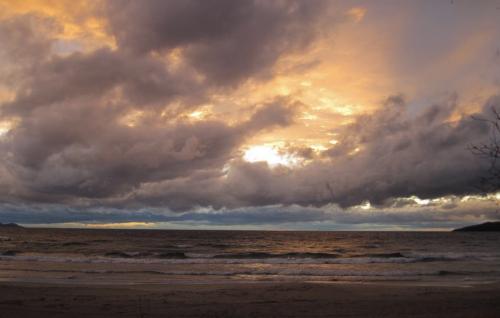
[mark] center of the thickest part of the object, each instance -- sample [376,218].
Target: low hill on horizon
[10,225]
[484,227]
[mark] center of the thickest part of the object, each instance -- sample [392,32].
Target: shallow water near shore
[77,256]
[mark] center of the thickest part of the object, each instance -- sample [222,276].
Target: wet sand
[249,300]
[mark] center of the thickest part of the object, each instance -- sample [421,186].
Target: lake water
[162,257]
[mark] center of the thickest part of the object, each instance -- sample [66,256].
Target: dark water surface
[157,256]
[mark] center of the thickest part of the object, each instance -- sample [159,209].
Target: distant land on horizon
[9,225]
[483,227]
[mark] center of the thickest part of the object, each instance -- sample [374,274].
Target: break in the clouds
[246,113]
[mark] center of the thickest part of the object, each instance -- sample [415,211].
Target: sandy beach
[249,300]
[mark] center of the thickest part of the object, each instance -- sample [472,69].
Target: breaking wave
[272,272]
[250,258]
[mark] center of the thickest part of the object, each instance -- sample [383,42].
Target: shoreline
[262,299]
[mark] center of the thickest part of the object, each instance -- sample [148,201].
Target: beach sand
[249,300]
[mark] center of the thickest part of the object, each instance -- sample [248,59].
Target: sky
[249,114]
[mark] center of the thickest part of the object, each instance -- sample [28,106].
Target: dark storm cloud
[143,81]
[71,141]
[395,154]
[227,41]
[279,112]
[424,155]
[399,155]
[83,151]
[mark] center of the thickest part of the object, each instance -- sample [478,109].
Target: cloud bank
[106,133]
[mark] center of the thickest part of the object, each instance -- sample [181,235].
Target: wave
[74,244]
[173,255]
[291,255]
[451,256]
[272,272]
[252,258]
[10,253]
[118,254]
[384,255]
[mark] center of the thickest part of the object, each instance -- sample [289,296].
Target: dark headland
[484,227]
[9,225]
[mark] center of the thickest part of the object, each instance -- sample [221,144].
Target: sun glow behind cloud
[5,126]
[269,154]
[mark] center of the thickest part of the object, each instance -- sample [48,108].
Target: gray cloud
[26,38]
[421,155]
[143,82]
[70,142]
[84,151]
[294,216]
[227,41]
[400,155]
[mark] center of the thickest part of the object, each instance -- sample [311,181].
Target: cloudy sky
[251,114]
